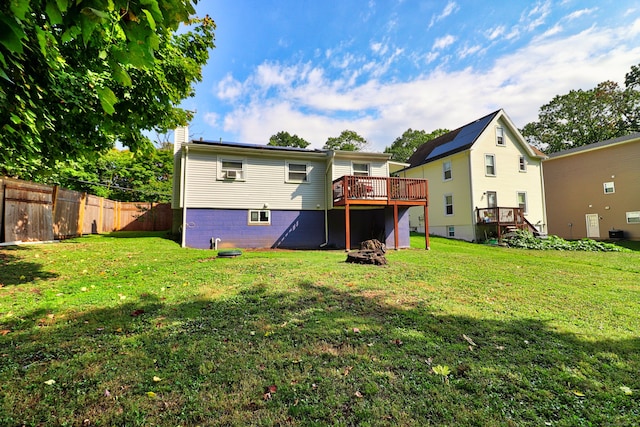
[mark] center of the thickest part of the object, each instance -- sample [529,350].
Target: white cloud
[212,119]
[536,16]
[469,50]
[496,32]
[315,106]
[443,42]
[450,8]
[579,13]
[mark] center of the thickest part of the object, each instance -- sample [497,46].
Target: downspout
[544,199]
[326,200]
[473,220]
[183,186]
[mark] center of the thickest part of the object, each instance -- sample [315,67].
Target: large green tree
[347,141]
[285,139]
[78,75]
[123,176]
[404,146]
[583,117]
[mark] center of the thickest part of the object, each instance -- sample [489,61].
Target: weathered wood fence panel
[27,211]
[35,212]
[66,212]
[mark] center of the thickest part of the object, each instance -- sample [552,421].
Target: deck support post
[395,225]
[426,226]
[347,229]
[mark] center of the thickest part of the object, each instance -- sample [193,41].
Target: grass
[130,329]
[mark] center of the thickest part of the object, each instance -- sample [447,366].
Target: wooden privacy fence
[36,212]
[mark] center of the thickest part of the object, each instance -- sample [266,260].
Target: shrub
[526,240]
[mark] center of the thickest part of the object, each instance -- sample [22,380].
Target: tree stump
[371,252]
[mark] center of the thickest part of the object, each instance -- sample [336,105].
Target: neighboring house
[594,190]
[257,196]
[484,180]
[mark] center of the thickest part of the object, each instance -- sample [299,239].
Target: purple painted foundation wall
[293,229]
[288,229]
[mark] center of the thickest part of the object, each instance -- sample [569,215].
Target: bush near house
[526,240]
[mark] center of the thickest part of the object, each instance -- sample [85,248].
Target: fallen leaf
[358,394]
[156,379]
[4,332]
[272,388]
[356,330]
[578,393]
[50,382]
[469,340]
[151,394]
[136,313]
[397,342]
[626,390]
[107,393]
[500,347]
[266,396]
[347,370]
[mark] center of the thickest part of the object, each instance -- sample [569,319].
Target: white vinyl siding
[263,184]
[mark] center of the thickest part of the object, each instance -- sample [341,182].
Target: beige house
[484,180]
[594,190]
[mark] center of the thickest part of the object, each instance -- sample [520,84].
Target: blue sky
[379,67]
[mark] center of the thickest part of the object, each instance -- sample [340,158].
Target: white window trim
[249,222]
[635,215]
[526,201]
[451,231]
[500,134]
[495,168]
[287,173]
[444,170]
[522,164]
[353,171]
[612,185]
[445,204]
[222,174]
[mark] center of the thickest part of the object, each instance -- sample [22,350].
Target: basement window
[609,188]
[633,217]
[259,217]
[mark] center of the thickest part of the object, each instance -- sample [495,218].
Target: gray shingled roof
[595,145]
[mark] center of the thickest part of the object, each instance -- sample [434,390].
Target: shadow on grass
[16,271]
[141,234]
[311,356]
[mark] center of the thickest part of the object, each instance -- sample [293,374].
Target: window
[297,172]
[500,136]
[609,188]
[492,199]
[633,217]
[522,166]
[446,170]
[448,204]
[360,169]
[451,231]
[490,164]
[259,217]
[231,169]
[522,201]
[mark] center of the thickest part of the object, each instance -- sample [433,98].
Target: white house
[484,179]
[258,196]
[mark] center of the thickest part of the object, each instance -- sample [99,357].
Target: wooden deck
[372,190]
[351,190]
[502,220]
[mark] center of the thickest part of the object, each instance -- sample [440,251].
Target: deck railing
[372,189]
[500,216]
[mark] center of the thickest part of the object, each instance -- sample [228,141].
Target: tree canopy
[285,139]
[347,141]
[77,76]
[583,117]
[123,176]
[404,146]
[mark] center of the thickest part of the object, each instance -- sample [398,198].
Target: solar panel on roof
[466,136]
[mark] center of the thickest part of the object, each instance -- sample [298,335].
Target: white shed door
[593,226]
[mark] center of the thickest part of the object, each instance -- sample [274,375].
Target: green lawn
[131,329]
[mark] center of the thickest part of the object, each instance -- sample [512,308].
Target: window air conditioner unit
[231,174]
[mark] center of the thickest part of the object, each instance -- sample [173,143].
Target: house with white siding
[484,180]
[232,195]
